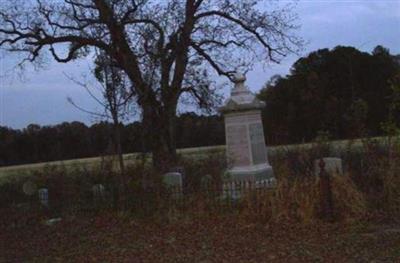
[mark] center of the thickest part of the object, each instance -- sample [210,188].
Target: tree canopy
[342,91]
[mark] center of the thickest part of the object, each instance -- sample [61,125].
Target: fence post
[325,192]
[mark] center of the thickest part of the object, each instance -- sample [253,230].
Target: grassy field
[197,152]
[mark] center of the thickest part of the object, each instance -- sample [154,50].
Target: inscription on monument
[257,143]
[238,147]
[240,119]
[254,117]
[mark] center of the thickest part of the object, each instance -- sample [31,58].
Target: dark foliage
[76,140]
[342,91]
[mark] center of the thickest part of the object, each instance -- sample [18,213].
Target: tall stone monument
[245,145]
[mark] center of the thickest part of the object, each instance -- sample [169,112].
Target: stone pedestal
[245,145]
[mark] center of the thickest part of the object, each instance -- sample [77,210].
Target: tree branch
[248,28]
[213,64]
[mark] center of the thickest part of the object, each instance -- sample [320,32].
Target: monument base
[251,173]
[261,176]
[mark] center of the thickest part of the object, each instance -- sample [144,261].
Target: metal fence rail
[208,195]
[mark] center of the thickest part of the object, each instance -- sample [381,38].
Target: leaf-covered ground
[111,237]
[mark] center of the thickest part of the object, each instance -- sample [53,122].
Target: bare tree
[162,46]
[117,95]
[116,102]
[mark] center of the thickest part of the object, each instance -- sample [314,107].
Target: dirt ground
[116,237]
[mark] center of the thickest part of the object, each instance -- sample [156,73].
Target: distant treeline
[343,93]
[76,140]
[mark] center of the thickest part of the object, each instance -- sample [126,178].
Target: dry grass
[372,188]
[299,201]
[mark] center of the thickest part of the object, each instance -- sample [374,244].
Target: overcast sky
[41,96]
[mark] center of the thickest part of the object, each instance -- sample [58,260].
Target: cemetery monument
[245,144]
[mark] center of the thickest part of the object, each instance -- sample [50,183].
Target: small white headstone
[43,196]
[98,191]
[173,181]
[333,166]
[29,188]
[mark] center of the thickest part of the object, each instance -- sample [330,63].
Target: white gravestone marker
[333,166]
[43,196]
[29,188]
[98,191]
[173,181]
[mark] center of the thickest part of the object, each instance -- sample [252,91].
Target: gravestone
[173,182]
[245,145]
[181,170]
[43,196]
[29,188]
[333,166]
[98,192]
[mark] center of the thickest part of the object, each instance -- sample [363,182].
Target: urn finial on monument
[245,144]
[238,77]
[241,97]
[239,87]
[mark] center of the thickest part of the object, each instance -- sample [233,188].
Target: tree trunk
[122,182]
[170,123]
[118,147]
[159,124]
